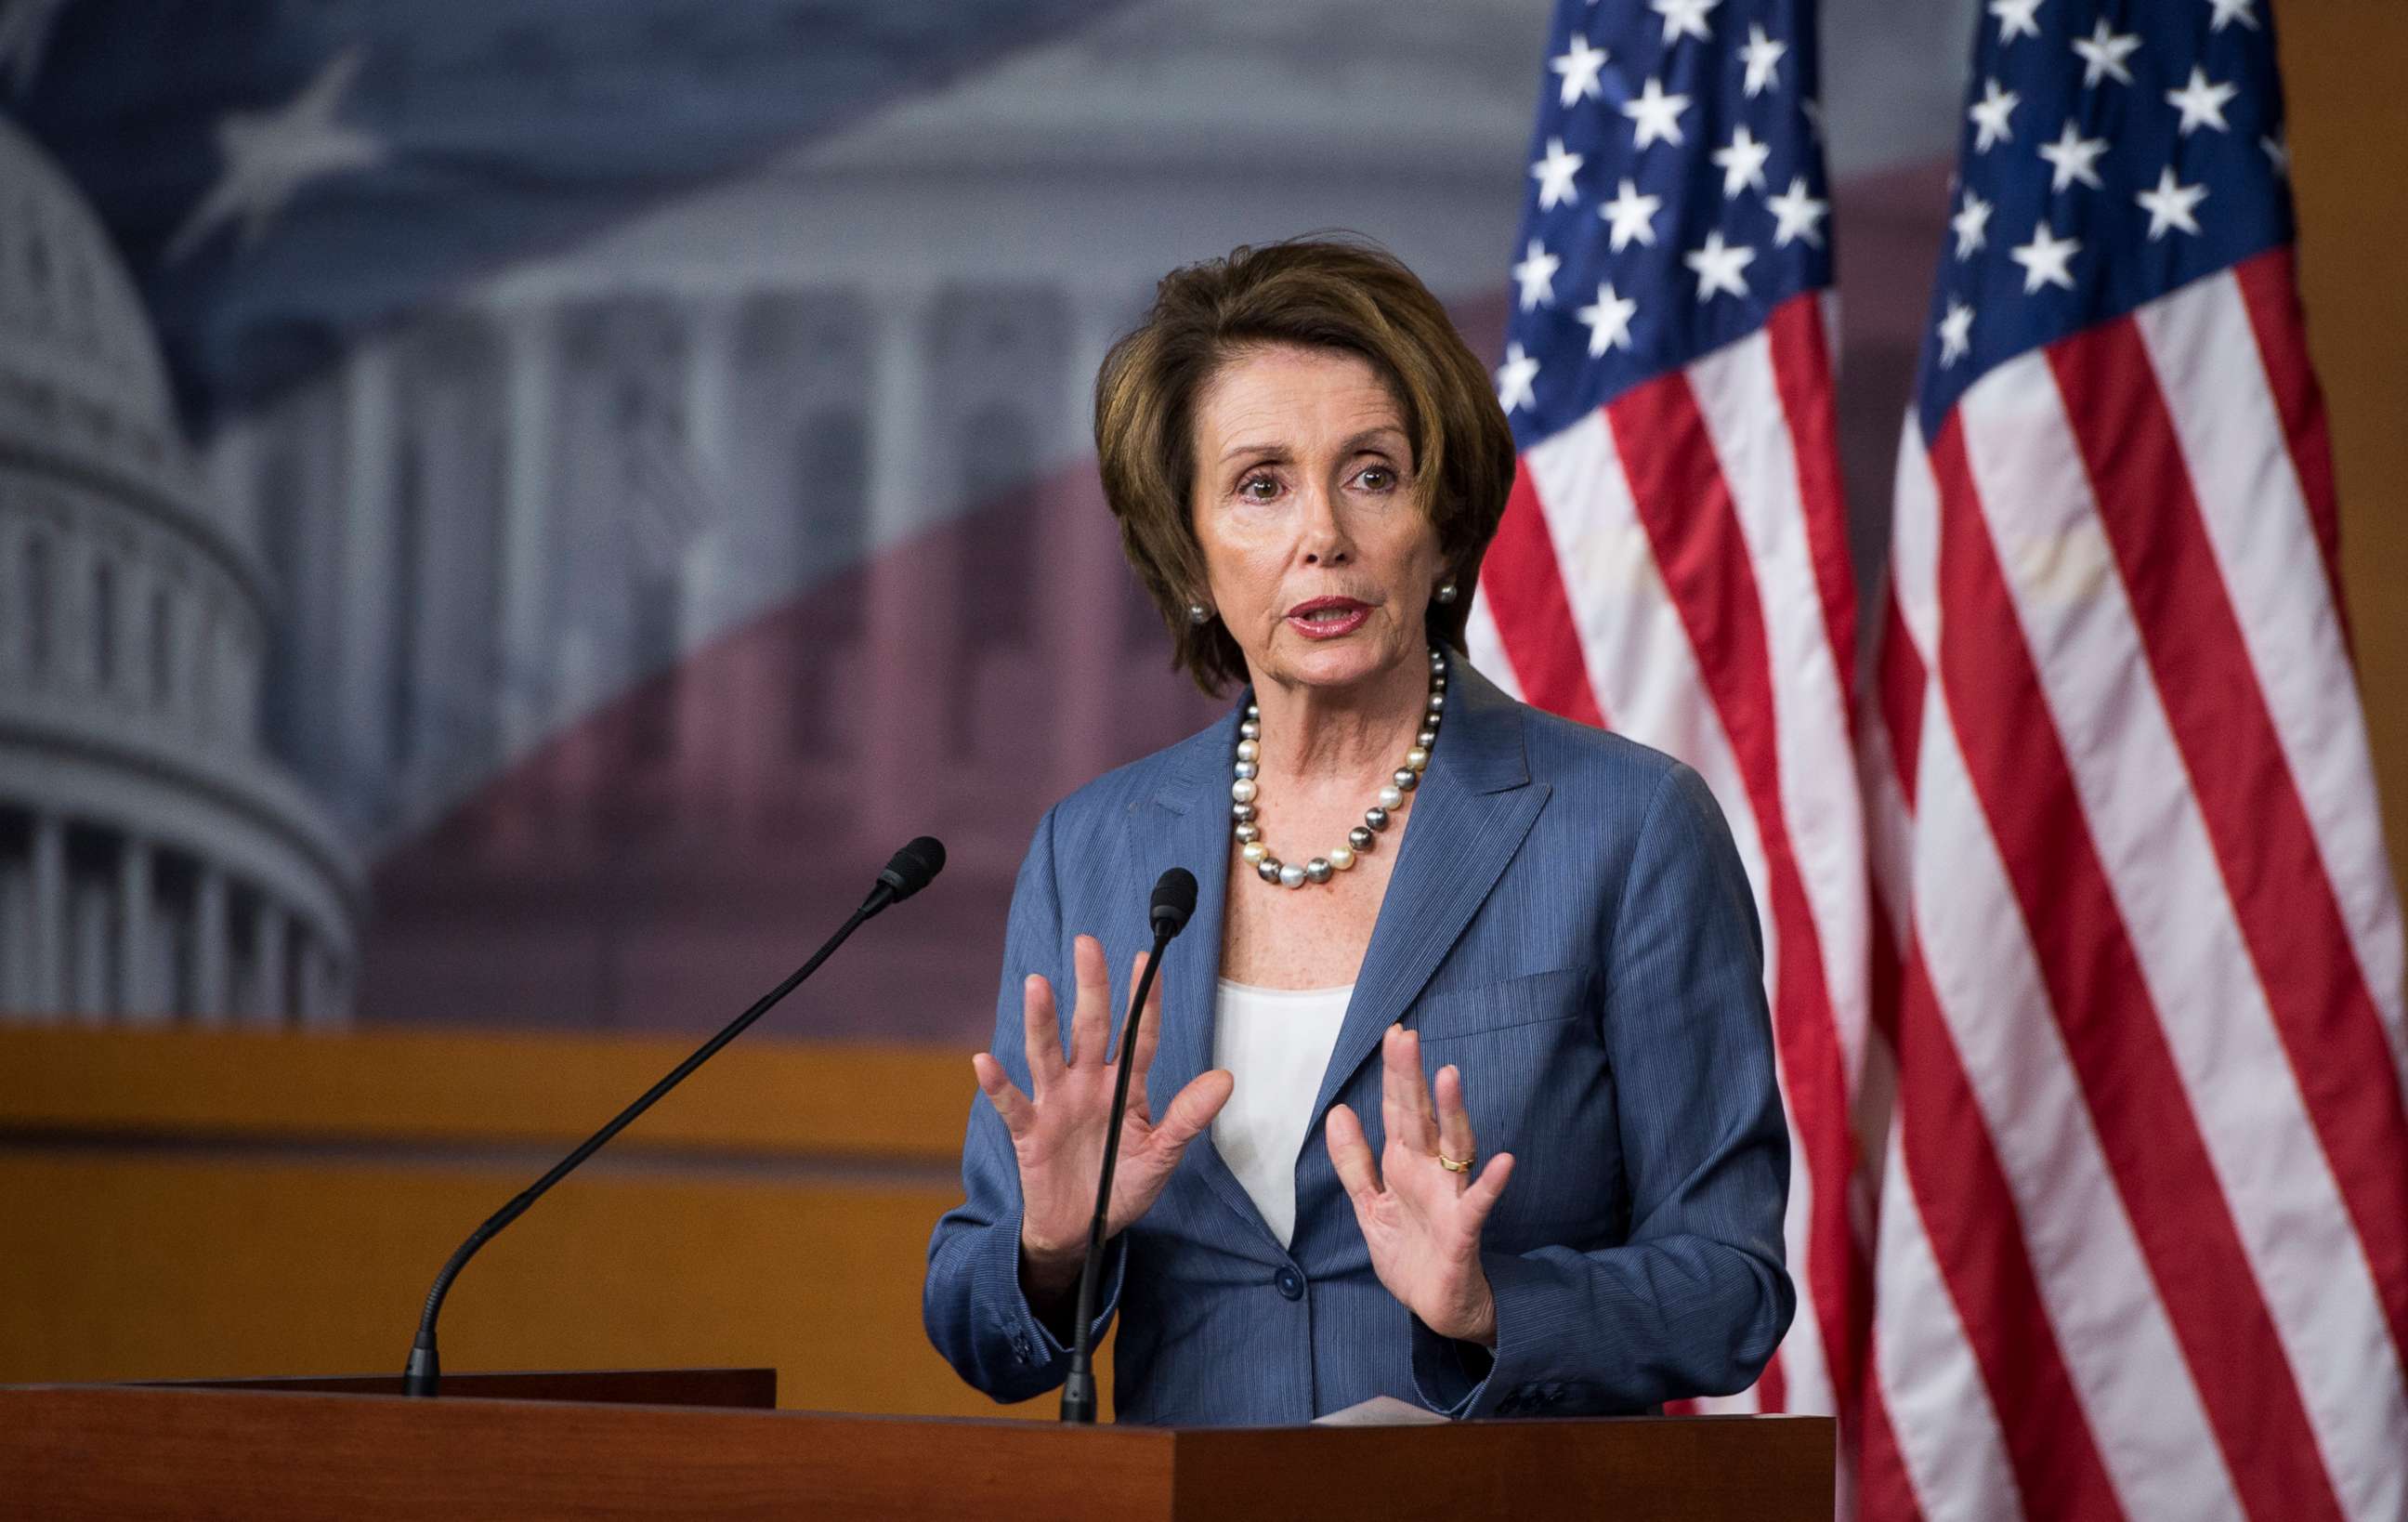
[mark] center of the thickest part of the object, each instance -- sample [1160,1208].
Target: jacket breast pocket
[1532,998]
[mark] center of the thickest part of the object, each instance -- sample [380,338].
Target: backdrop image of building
[643,595]
[153,860]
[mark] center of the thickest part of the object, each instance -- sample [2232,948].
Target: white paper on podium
[1382,1411]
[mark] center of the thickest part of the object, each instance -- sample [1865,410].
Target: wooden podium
[707,1443]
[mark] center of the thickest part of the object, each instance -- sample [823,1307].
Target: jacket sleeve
[972,1301]
[1695,1299]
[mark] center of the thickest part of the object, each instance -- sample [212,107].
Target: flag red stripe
[1686,507]
[2134,1091]
[1524,590]
[1901,676]
[2269,294]
[2287,912]
[1802,368]
[1772,1385]
[1976,1235]
[1883,1488]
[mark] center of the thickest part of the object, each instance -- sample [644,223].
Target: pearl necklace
[1375,819]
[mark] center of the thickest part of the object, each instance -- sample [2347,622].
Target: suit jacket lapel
[1188,825]
[1474,807]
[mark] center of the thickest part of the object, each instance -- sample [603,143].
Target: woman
[1399,866]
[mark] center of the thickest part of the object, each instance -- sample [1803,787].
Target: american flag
[2144,1227]
[1673,559]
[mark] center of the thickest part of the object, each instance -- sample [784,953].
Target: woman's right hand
[1057,1134]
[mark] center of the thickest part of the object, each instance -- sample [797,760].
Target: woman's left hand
[1421,1219]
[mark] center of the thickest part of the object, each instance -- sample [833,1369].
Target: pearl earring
[1446,590]
[1198,614]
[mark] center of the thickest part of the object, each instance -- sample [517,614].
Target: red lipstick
[1328,617]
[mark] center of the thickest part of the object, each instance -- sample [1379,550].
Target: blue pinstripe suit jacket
[1567,922]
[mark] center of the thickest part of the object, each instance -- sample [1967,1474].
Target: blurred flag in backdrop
[2143,1226]
[1673,562]
[285,179]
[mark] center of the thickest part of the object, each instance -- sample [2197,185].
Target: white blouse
[1276,1043]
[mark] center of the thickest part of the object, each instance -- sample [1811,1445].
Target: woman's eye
[1257,489]
[1379,478]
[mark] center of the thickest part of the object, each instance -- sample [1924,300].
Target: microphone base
[1078,1397]
[424,1376]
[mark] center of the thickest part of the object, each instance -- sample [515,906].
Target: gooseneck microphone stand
[906,873]
[1174,901]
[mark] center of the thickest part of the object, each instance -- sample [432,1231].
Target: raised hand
[1420,1218]
[1057,1134]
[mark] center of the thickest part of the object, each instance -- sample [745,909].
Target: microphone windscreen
[1174,900]
[912,867]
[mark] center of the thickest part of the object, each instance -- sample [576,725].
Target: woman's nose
[1325,540]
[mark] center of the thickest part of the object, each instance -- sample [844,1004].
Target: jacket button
[1290,1283]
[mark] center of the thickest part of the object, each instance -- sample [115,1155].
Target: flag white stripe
[1745,1404]
[1740,401]
[1915,542]
[1487,646]
[1948,1433]
[1890,823]
[2169,888]
[1804,1362]
[2204,353]
[2118,1346]
[1890,844]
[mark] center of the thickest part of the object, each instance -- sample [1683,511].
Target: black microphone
[1174,901]
[907,872]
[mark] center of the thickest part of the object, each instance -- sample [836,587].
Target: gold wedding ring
[1455,1164]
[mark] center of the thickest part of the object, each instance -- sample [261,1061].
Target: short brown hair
[1318,293]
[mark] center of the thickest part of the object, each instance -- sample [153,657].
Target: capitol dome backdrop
[155,861]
